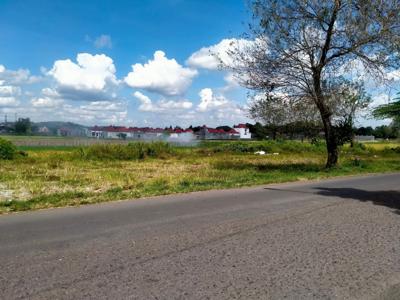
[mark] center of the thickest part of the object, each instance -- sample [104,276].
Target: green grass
[47,148]
[66,176]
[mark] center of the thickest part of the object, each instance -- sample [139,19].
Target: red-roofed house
[118,132]
[147,133]
[207,133]
[243,130]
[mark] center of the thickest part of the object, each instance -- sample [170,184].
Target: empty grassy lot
[63,176]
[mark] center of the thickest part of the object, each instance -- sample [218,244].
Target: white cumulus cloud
[161,75]
[11,83]
[46,102]
[213,56]
[209,101]
[91,72]
[16,77]
[92,78]
[218,109]
[162,106]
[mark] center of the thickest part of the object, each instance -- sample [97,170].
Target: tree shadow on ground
[389,199]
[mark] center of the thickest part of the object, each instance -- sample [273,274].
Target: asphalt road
[335,239]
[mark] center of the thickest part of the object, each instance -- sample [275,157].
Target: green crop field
[45,176]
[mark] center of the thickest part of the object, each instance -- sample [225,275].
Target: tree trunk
[331,143]
[274,133]
[330,136]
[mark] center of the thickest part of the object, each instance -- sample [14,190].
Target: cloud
[94,113]
[232,82]
[101,112]
[162,106]
[11,83]
[103,41]
[92,72]
[212,109]
[92,78]
[209,101]
[379,99]
[218,108]
[104,106]
[393,75]
[46,102]
[213,57]
[17,77]
[161,75]
[9,90]
[8,102]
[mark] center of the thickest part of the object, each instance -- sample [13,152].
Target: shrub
[267,146]
[137,150]
[7,149]
[356,161]
[392,149]
[396,149]
[359,149]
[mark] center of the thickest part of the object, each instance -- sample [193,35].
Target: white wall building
[243,130]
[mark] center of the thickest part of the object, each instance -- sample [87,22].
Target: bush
[7,149]
[392,149]
[267,146]
[396,149]
[131,151]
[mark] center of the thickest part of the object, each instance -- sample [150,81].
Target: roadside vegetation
[46,177]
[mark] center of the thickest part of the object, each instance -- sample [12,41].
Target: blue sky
[72,61]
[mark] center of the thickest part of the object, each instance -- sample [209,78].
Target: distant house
[6,127]
[119,132]
[68,131]
[177,132]
[181,135]
[96,132]
[243,130]
[64,132]
[207,133]
[148,133]
[44,130]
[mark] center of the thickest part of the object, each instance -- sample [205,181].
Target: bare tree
[300,47]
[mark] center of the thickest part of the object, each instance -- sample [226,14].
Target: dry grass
[51,178]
